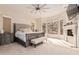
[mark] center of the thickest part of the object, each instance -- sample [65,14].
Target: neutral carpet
[51,47]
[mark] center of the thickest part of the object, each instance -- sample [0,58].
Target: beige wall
[15,18]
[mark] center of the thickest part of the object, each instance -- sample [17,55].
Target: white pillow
[27,30]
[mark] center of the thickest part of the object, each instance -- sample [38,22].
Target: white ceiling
[22,10]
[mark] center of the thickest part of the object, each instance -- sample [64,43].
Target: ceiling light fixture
[38,8]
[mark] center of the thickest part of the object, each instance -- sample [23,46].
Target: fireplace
[69,32]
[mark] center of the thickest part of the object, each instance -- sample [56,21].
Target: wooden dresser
[6,38]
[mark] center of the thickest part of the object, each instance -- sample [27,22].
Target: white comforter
[22,35]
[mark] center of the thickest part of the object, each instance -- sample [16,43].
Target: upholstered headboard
[23,26]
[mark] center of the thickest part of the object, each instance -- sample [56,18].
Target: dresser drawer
[0,38]
[6,38]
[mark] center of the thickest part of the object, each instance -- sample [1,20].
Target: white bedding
[22,35]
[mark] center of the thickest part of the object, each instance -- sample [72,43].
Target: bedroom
[48,25]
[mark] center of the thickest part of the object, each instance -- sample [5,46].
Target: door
[6,24]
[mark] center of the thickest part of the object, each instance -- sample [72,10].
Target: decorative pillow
[20,30]
[27,30]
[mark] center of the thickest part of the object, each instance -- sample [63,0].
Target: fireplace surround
[70,34]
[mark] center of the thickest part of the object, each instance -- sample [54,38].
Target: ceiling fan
[38,8]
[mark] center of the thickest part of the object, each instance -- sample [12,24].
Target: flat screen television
[72,10]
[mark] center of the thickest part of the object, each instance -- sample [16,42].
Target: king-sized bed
[24,35]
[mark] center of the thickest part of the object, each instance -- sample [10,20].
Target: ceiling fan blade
[38,6]
[43,6]
[33,11]
[33,5]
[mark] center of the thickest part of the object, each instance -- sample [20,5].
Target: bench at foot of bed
[38,41]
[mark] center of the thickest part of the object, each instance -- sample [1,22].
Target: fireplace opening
[69,32]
